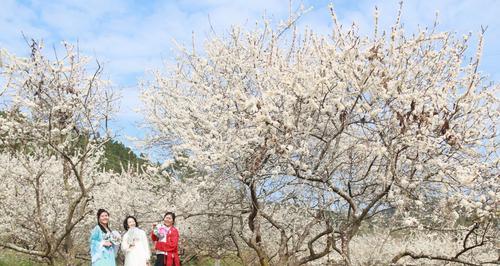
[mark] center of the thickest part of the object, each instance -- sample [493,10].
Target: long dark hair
[99,212]
[125,223]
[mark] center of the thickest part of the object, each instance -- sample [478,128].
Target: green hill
[118,155]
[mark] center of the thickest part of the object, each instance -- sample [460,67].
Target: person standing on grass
[135,244]
[104,243]
[166,241]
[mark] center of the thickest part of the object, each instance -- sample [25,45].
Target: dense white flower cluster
[286,148]
[395,128]
[52,131]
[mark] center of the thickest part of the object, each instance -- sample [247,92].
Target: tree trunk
[264,261]
[346,256]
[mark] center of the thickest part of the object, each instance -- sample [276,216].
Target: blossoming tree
[346,130]
[52,129]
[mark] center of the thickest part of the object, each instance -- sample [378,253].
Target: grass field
[8,258]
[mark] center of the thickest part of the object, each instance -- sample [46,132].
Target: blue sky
[132,37]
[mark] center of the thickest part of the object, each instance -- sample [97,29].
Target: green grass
[9,259]
[210,262]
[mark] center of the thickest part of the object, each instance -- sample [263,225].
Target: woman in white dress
[135,244]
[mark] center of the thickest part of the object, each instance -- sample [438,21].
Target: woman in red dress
[166,240]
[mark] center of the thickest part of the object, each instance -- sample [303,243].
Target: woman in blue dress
[104,243]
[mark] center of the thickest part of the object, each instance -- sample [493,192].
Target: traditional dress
[101,255]
[167,243]
[135,247]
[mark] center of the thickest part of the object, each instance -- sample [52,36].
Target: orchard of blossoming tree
[287,148]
